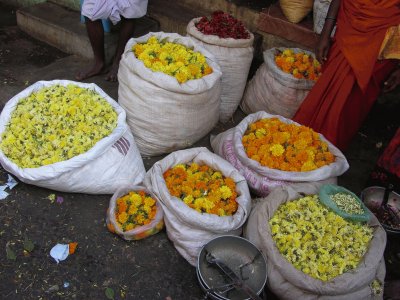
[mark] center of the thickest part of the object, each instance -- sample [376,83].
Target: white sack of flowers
[68,136]
[286,154]
[234,56]
[163,113]
[273,90]
[331,259]
[188,226]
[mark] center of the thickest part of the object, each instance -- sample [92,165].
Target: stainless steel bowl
[373,196]
[242,257]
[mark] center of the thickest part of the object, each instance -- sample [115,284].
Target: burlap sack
[296,10]
[289,283]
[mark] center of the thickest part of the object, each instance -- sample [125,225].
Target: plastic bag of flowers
[232,45]
[202,196]
[68,136]
[170,88]
[271,151]
[313,253]
[282,82]
[134,213]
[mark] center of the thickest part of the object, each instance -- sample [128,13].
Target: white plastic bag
[114,161]
[188,229]
[262,179]
[163,114]
[273,90]
[234,56]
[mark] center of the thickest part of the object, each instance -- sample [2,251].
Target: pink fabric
[114,9]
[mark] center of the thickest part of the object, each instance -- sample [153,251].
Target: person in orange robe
[352,77]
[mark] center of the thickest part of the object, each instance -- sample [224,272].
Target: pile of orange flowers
[202,188]
[135,209]
[286,147]
[300,65]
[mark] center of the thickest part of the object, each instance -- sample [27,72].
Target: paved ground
[146,269]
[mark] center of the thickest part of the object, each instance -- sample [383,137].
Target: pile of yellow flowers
[173,59]
[135,209]
[202,188]
[300,65]
[55,124]
[286,147]
[317,241]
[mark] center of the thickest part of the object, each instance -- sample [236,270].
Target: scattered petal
[59,199]
[51,197]
[59,252]
[72,247]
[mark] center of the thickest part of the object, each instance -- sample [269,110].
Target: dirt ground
[32,223]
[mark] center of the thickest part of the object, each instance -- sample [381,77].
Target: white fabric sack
[163,114]
[114,161]
[289,283]
[234,56]
[188,229]
[320,11]
[273,90]
[262,179]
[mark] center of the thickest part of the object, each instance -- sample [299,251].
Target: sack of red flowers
[134,213]
[282,82]
[272,151]
[232,45]
[202,196]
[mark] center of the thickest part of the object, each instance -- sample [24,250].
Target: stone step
[61,28]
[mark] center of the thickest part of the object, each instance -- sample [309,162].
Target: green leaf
[10,253]
[28,245]
[110,293]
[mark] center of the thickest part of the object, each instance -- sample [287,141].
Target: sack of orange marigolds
[282,82]
[134,213]
[312,252]
[202,195]
[271,151]
[232,45]
[170,88]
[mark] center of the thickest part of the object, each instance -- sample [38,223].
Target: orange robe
[352,77]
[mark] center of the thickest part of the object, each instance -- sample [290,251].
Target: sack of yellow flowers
[202,197]
[134,213]
[68,136]
[271,151]
[232,45]
[170,88]
[282,82]
[312,252]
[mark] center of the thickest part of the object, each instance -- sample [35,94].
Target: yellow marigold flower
[277,150]
[225,192]
[123,217]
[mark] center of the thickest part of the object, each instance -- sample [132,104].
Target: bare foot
[113,73]
[96,69]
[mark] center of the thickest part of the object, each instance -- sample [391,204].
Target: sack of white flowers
[68,136]
[282,82]
[313,253]
[170,88]
[202,197]
[271,151]
[232,45]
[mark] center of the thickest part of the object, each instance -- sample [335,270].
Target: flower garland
[223,25]
[135,209]
[172,59]
[55,124]
[317,241]
[202,188]
[300,65]
[286,147]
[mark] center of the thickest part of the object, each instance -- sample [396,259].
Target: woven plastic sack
[140,232]
[296,10]
[234,56]
[320,11]
[287,282]
[111,163]
[188,229]
[274,91]
[262,180]
[329,189]
[163,114]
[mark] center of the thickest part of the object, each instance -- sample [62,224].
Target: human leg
[125,33]
[96,36]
